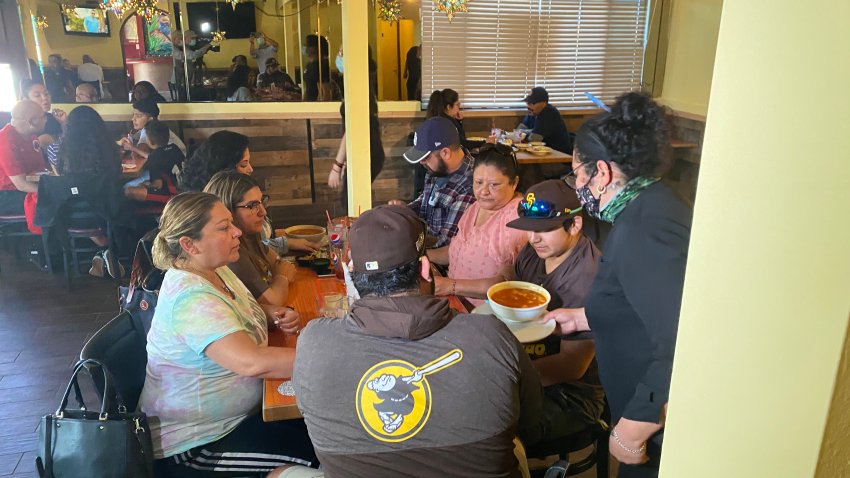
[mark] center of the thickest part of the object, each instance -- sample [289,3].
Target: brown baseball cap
[386,237]
[546,206]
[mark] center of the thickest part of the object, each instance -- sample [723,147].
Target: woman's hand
[302,245]
[286,269]
[569,321]
[287,320]
[459,115]
[335,178]
[126,142]
[442,285]
[491,139]
[632,435]
[60,116]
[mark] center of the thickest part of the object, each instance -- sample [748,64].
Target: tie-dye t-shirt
[190,400]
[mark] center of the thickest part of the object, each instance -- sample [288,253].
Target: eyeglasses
[541,209]
[501,149]
[570,178]
[254,206]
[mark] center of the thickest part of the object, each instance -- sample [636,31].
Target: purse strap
[109,392]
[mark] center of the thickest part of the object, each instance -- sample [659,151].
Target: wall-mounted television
[236,23]
[86,20]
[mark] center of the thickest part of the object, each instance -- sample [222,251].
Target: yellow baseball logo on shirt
[393,398]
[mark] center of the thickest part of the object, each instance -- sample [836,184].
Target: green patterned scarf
[629,192]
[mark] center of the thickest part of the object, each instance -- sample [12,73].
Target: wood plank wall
[281,156]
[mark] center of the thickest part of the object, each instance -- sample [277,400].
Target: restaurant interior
[761,378]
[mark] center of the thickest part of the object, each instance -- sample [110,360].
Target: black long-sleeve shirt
[633,306]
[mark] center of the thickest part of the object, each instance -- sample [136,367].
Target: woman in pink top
[484,249]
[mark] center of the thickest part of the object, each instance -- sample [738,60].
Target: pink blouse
[478,252]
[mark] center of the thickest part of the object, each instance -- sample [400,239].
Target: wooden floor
[42,329]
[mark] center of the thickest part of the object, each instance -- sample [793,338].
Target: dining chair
[595,436]
[120,345]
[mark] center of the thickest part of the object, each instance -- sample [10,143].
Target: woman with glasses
[484,249]
[633,305]
[258,267]
[208,352]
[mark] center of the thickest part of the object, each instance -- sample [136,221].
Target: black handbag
[139,298]
[110,443]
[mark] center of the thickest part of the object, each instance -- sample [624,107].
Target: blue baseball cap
[435,133]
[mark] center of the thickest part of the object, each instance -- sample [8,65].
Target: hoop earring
[601,190]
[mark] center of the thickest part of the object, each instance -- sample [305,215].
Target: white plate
[525,332]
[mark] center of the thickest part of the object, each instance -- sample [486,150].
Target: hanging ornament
[217,37]
[389,10]
[68,9]
[117,7]
[41,22]
[145,8]
[451,7]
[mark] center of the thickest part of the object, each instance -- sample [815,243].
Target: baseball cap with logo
[546,206]
[385,238]
[538,94]
[434,134]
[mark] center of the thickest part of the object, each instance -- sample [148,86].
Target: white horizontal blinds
[495,53]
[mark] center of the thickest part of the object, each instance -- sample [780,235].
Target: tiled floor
[42,329]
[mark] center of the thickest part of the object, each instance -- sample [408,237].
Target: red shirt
[17,157]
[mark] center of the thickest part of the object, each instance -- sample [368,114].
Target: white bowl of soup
[518,301]
[310,232]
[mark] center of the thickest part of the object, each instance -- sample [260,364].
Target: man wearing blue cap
[448,183]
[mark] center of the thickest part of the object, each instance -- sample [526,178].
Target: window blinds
[495,53]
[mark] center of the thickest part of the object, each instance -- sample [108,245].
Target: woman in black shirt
[633,305]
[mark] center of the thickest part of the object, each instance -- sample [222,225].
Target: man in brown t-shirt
[402,386]
[564,262]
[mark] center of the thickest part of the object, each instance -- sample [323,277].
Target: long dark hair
[439,101]
[635,135]
[222,151]
[87,147]
[237,79]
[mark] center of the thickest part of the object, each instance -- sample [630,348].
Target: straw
[329,217]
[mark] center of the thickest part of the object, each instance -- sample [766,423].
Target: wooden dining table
[304,296]
[132,171]
[552,157]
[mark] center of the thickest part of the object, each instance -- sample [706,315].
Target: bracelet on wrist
[336,169]
[341,165]
[633,451]
[454,287]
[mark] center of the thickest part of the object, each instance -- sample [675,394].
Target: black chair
[595,436]
[15,227]
[120,345]
[73,208]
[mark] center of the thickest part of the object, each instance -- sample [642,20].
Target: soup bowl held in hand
[518,301]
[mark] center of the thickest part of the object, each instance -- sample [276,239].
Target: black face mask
[587,200]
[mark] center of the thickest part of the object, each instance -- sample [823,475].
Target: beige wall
[690,54]
[765,307]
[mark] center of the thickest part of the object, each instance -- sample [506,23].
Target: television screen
[238,23]
[89,20]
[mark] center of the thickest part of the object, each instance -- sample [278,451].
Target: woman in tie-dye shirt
[208,353]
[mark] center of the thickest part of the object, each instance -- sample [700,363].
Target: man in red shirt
[18,156]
